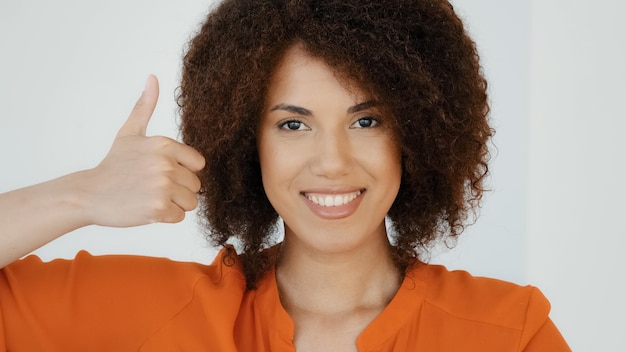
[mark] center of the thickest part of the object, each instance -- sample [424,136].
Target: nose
[332,154]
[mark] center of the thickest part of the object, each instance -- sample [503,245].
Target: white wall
[577,233]
[495,245]
[71,70]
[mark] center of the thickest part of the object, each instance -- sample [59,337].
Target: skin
[142,180]
[334,270]
[319,138]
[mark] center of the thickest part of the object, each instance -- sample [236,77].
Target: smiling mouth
[332,200]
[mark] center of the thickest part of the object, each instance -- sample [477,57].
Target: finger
[181,153]
[137,121]
[187,179]
[189,157]
[184,198]
[173,214]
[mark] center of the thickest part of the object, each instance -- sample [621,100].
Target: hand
[143,179]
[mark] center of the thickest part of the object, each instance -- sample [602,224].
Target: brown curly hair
[413,56]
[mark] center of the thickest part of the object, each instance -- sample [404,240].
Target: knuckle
[161,169]
[159,207]
[160,141]
[162,184]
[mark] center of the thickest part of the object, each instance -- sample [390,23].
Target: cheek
[386,159]
[391,171]
[279,167]
[267,162]
[394,151]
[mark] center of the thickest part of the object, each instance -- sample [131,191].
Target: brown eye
[366,122]
[293,125]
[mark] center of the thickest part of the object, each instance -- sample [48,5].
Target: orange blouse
[131,303]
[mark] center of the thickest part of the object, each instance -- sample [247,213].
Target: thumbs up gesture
[143,179]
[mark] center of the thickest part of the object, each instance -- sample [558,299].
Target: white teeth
[333,201]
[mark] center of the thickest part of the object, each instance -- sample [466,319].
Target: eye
[366,122]
[293,125]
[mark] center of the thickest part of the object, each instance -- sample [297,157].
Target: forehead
[298,70]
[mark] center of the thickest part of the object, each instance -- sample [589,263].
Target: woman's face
[330,165]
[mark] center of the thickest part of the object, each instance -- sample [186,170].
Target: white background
[70,72]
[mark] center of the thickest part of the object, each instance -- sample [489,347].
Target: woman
[332,116]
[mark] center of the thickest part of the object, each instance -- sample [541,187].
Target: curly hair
[413,56]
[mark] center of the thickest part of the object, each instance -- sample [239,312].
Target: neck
[322,283]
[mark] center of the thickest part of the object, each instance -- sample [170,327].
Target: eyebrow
[362,106]
[306,112]
[293,109]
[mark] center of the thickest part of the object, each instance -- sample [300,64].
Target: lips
[332,200]
[333,205]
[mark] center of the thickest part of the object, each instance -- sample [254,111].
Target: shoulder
[126,269]
[137,299]
[490,301]
[480,313]
[127,281]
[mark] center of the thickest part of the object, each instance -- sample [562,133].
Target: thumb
[138,119]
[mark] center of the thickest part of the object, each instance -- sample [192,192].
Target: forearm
[142,180]
[33,216]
